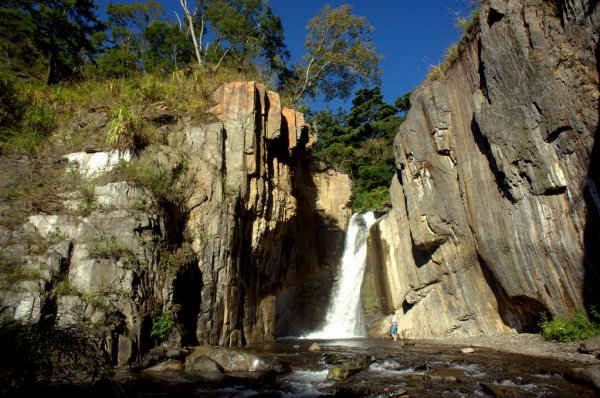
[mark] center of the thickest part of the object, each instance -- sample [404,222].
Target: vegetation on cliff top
[137,60]
[360,143]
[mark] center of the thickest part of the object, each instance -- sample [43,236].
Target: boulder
[590,375]
[233,360]
[201,363]
[314,347]
[590,346]
[168,365]
[344,366]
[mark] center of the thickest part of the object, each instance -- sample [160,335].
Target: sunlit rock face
[256,231]
[495,203]
[264,222]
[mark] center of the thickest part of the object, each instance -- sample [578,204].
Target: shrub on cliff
[38,355]
[574,327]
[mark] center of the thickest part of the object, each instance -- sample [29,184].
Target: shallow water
[414,368]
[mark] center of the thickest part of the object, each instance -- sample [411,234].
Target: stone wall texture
[242,250]
[495,203]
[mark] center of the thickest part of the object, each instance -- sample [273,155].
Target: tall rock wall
[256,215]
[239,249]
[495,203]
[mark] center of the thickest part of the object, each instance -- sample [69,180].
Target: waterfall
[345,318]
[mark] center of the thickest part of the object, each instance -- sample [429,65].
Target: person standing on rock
[394,327]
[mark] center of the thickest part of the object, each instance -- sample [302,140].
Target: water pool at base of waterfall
[408,369]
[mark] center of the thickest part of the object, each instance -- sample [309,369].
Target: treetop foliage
[63,40]
[59,32]
[340,54]
[359,143]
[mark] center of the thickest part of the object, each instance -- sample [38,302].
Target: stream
[404,368]
[388,368]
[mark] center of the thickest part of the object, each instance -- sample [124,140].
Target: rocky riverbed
[520,343]
[493,366]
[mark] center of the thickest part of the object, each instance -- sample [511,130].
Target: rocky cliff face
[495,204]
[243,252]
[256,218]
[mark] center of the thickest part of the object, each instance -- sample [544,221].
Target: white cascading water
[345,318]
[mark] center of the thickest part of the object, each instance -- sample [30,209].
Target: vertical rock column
[243,214]
[494,192]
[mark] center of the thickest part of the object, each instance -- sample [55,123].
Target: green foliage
[163,181]
[575,327]
[60,31]
[136,15]
[360,144]
[87,203]
[366,200]
[38,355]
[174,260]
[340,54]
[110,248]
[33,115]
[65,288]
[12,271]
[250,30]
[39,120]
[17,49]
[168,48]
[12,106]
[162,326]
[125,129]
[117,63]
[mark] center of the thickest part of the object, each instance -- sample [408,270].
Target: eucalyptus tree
[340,54]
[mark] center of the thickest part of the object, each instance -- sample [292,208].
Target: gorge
[494,217]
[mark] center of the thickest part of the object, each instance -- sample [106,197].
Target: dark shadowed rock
[197,362]
[591,346]
[590,375]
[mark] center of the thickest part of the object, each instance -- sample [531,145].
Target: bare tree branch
[190,18]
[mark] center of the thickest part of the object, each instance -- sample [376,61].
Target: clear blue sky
[412,35]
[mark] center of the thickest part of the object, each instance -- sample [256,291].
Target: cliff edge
[495,202]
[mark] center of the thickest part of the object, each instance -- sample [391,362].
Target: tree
[339,55]
[368,107]
[360,143]
[403,103]
[117,62]
[167,47]
[17,48]
[136,16]
[127,25]
[251,30]
[191,18]
[60,31]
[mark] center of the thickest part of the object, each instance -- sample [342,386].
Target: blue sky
[412,35]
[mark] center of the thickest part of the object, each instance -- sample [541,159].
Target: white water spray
[345,318]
